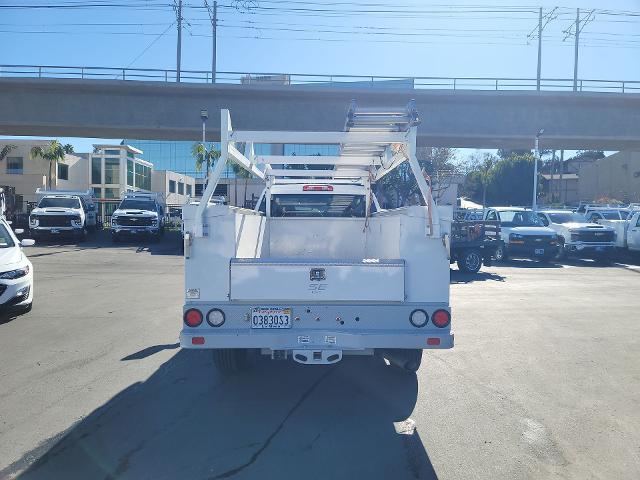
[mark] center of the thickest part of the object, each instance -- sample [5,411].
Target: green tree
[53,153]
[6,150]
[205,156]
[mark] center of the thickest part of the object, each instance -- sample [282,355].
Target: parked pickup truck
[523,234]
[139,213]
[577,237]
[627,231]
[473,242]
[63,212]
[317,271]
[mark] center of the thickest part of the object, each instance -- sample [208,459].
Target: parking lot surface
[543,382]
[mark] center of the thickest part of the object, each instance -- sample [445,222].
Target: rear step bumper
[305,339]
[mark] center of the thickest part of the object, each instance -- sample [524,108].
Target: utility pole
[539,49]
[213,16]
[575,63]
[534,204]
[561,170]
[179,46]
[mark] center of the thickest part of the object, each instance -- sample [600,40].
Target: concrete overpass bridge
[507,117]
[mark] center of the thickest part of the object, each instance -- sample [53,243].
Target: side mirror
[19,231]
[27,242]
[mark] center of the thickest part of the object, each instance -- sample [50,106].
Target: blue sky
[328,37]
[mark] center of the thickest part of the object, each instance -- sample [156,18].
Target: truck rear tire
[470,261]
[230,360]
[501,254]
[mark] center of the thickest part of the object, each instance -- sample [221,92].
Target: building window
[15,165]
[189,190]
[97,192]
[111,170]
[130,173]
[112,152]
[111,193]
[172,186]
[142,176]
[180,188]
[130,155]
[63,171]
[96,170]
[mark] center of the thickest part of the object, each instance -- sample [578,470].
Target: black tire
[230,360]
[500,254]
[115,238]
[470,261]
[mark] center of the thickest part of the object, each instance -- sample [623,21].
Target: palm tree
[204,156]
[241,173]
[53,153]
[6,150]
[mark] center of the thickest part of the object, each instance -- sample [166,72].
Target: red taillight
[433,341]
[317,188]
[193,317]
[441,318]
[197,340]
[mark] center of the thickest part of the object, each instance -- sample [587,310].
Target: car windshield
[5,237]
[566,217]
[135,204]
[317,205]
[60,202]
[613,215]
[519,218]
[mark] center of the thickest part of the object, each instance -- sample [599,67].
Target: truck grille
[54,220]
[595,235]
[533,240]
[133,221]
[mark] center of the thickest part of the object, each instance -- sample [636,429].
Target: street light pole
[535,170]
[204,114]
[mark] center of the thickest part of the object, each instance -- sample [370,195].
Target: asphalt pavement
[544,382]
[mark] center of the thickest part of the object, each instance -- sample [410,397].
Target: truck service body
[318,270]
[62,212]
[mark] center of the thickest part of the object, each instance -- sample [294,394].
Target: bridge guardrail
[302,79]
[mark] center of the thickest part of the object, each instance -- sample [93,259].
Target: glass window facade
[172,186]
[15,165]
[63,171]
[111,193]
[112,152]
[111,170]
[180,188]
[130,173]
[142,176]
[190,191]
[96,170]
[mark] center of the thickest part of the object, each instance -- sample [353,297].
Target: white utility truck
[139,213]
[577,237]
[627,231]
[318,270]
[63,212]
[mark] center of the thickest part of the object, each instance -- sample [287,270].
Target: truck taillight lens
[418,318]
[317,188]
[215,317]
[441,318]
[193,317]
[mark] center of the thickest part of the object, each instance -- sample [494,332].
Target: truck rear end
[317,271]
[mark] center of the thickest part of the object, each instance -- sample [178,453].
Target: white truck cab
[576,236]
[139,213]
[633,232]
[63,212]
[317,271]
[523,234]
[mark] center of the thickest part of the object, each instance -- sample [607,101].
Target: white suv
[16,272]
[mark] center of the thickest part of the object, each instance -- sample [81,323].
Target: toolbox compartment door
[273,280]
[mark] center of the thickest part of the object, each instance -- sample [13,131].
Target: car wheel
[500,254]
[230,360]
[470,261]
[562,254]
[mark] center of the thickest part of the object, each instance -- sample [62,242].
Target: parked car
[473,241]
[627,231]
[16,272]
[139,213]
[577,237]
[63,212]
[523,234]
[599,213]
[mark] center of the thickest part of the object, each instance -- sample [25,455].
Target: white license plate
[271,317]
[539,251]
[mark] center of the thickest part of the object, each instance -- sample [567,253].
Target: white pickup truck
[139,213]
[317,271]
[627,231]
[63,212]
[577,237]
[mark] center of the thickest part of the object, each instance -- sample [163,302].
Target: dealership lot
[543,382]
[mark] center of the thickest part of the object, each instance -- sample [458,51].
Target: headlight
[33,220]
[154,221]
[13,274]
[516,236]
[114,220]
